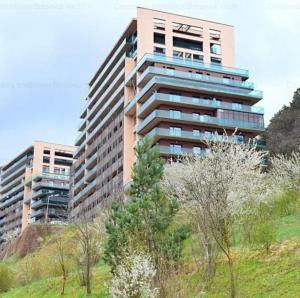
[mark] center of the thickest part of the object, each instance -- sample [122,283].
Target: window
[197,150]
[175,114]
[237,106]
[175,131]
[177,54]
[46,159]
[159,38]
[195,99]
[159,51]
[175,149]
[63,154]
[196,132]
[197,57]
[187,44]
[46,151]
[215,34]
[188,56]
[187,29]
[196,116]
[56,170]
[159,24]
[215,48]
[46,169]
[215,60]
[208,134]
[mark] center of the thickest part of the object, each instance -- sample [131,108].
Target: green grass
[51,288]
[259,275]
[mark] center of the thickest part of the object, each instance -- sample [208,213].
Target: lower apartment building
[170,77]
[35,186]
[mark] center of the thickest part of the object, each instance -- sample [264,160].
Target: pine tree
[144,222]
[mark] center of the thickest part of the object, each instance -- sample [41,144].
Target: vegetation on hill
[283,132]
[223,209]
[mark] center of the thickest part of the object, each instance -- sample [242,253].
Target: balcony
[107,116]
[80,138]
[54,176]
[158,133]
[49,202]
[91,174]
[12,200]
[10,185]
[190,85]
[15,173]
[159,115]
[15,165]
[151,71]
[176,100]
[152,58]
[167,150]
[38,213]
[85,192]
[50,184]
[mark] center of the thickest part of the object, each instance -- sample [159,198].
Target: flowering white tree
[134,278]
[10,236]
[217,188]
[285,171]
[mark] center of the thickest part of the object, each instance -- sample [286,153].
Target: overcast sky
[50,49]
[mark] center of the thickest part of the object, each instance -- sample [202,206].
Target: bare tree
[216,188]
[63,258]
[89,237]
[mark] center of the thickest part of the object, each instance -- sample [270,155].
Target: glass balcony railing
[43,202]
[199,102]
[151,71]
[178,151]
[12,183]
[199,136]
[50,184]
[192,64]
[191,85]
[91,173]
[189,135]
[85,191]
[40,212]
[11,200]
[200,119]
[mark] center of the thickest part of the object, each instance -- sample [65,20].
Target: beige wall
[145,35]
[37,168]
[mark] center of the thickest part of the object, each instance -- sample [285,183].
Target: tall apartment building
[35,186]
[170,77]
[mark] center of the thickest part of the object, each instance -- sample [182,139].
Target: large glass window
[175,131]
[175,114]
[175,148]
[197,150]
[196,132]
[159,38]
[187,44]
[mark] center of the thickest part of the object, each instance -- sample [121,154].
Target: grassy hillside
[260,274]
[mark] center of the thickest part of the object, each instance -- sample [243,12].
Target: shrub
[6,278]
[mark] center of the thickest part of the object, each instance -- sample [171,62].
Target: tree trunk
[63,285]
[88,276]
[232,281]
